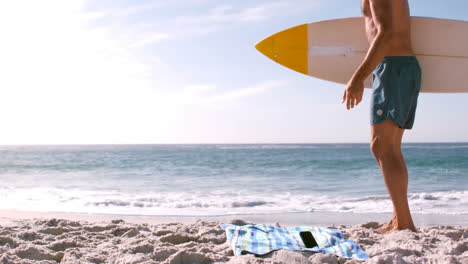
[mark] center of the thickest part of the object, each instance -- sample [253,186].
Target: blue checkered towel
[262,239]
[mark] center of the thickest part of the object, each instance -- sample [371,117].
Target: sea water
[226,179]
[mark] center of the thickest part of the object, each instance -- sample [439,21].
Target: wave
[219,203]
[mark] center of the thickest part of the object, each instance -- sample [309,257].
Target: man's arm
[383,20]
[382,15]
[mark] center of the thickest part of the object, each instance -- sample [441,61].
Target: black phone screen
[308,239]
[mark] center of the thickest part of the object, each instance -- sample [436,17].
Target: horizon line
[267,143]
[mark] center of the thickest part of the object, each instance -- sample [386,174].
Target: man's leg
[386,146]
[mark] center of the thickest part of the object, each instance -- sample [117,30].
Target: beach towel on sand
[262,239]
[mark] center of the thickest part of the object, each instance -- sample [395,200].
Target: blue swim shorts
[395,90]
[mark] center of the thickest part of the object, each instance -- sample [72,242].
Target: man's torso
[400,40]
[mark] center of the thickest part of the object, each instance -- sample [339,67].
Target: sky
[184,71]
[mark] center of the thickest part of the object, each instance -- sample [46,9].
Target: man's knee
[381,147]
[386,139]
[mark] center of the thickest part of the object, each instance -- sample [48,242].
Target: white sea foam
[218,203]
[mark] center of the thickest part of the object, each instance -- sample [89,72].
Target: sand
[55,240]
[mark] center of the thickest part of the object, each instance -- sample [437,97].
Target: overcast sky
[183,71]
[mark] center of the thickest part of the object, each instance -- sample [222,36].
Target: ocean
[204,180]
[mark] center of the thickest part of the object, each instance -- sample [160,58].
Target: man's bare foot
[385,228]
[393,226]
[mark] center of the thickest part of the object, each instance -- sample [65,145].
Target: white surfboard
[333,49]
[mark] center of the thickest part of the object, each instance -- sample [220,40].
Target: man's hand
[353,93]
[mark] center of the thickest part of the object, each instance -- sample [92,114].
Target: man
[396,83]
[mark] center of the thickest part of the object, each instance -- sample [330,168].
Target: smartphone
[308,239]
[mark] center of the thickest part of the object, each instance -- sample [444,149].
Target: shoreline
[287,219]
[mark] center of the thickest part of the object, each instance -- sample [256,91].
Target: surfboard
[333,49]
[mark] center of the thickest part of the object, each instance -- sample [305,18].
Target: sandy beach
[28,237]
[204,131]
